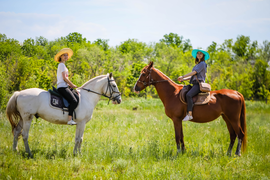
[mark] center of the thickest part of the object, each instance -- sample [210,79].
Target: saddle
[200,99]
[58,101]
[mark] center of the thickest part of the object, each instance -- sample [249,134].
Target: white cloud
[25,25]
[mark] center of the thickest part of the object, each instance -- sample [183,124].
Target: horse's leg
[17,133]
[234,120]
[238,150]
[27,119]
[240,135]
[232,135]
[79,137]
[179,137]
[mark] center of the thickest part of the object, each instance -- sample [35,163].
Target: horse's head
[144,79]
[111,90]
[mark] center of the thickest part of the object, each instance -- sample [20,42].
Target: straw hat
[63,51]
[195,51]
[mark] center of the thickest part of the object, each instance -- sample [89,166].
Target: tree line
[240,64]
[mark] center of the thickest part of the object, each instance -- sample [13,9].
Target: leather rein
[151,81]
[110,88]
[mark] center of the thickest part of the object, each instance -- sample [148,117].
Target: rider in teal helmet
[200,70]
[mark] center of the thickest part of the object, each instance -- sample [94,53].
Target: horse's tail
[12,112]
[243,122]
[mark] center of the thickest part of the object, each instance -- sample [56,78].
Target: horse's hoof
[181,151]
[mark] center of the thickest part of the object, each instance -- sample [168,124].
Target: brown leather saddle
[200,99]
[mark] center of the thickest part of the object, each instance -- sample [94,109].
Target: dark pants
[192,92]
[70,97]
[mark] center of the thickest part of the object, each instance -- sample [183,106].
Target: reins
[109,87]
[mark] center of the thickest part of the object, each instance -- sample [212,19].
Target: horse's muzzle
[117,100]
[137,89]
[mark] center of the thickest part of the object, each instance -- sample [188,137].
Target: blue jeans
[191,93]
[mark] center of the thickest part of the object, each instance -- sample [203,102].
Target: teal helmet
[195,51]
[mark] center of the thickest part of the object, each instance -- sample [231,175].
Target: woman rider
[62,81]
[200,70]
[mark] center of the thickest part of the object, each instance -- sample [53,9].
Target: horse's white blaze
[137,82]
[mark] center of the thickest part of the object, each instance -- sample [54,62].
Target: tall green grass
[122,143]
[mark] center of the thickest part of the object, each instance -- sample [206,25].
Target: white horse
[23,105]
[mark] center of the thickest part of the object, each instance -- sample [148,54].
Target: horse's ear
[150,65]
[110,76]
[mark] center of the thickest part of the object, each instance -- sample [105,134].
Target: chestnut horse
[228,103]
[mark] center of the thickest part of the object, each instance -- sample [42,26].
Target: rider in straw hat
[62,81]
[200,70]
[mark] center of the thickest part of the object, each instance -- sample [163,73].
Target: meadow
[122,143]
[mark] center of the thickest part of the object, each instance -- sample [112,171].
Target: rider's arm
[190,74]
[67,80]
[187,76]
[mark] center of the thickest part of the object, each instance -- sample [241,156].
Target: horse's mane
[92,80]
[168,78]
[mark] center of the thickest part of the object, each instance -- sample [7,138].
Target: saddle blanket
[58,101]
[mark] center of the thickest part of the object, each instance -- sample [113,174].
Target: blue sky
[146,20]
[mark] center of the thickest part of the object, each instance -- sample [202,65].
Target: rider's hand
[180,78]
[74,86]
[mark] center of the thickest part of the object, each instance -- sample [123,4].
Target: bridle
[110,88]
[151,81]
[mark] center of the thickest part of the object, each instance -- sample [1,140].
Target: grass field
[121,143]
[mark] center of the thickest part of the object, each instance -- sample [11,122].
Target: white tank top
[60,81]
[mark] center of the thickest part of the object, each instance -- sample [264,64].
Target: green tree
[8,47]
[95,58]
[265,51]
[172,39]
[253,50]
[212,48]
[41,41]
[240,47]
[75,37]
[167,58]
[261,76]
[103,43]
[187,45]
[138,50]
[227,46]
[177,41]
[3,86]
[28,48]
